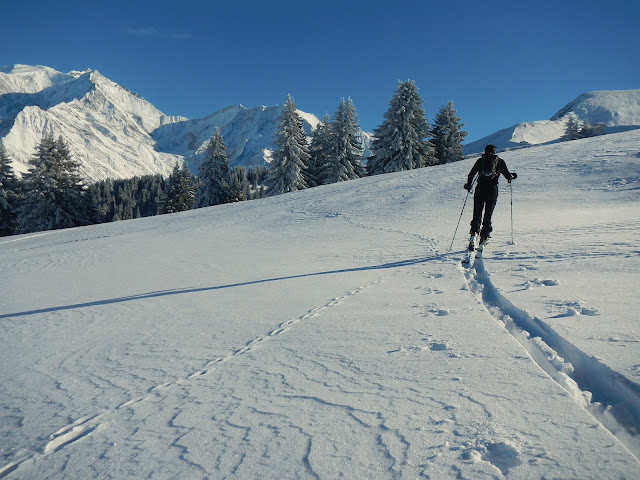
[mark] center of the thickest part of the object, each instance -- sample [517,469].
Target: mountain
[106,126]
[618,110]
[332,333]
[249,135]
[117,134]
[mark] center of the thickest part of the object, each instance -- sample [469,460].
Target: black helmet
[490,150]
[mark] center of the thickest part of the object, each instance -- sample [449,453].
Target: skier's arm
[472,173]
[502,166]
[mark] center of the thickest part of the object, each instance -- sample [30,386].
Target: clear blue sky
[501,62]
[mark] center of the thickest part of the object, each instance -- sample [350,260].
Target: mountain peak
[616,109]
[610,107]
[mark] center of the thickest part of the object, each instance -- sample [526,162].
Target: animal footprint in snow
[571,309]
[435,311]
[431,291]
[537,282]
[523,268]
[435,275]
[501,455]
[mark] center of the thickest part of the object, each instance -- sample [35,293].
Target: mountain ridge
[116,133]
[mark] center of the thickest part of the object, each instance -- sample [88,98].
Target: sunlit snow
[329,333]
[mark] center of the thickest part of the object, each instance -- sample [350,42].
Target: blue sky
[500,62]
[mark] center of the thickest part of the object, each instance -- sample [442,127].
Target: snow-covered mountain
[106,126]
[249,135]
[618,110]
[116,133]
[332,333]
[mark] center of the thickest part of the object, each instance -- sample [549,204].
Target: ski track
[612,399]
[88,424]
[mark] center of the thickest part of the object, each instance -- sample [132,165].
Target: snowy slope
[330,333]
[617,109]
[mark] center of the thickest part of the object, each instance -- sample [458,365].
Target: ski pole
[511,189]
[463,205]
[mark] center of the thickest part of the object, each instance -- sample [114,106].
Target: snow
[618,110]
[329,333]
[608,107]
[115,133]
[106,127]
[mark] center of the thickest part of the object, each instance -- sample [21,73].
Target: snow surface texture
[329,333]
[618,109]
[116,133]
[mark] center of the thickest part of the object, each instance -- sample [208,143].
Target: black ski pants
[485,198]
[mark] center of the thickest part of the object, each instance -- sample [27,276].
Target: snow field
[329,333]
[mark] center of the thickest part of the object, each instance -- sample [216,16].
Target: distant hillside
[617,109]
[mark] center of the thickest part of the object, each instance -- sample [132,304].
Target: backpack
[488,168]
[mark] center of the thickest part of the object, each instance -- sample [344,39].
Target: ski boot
[484,241]
[472,242]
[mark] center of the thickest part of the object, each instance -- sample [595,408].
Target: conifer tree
[573,128]
[180,195]
[239,185]
[345,157]
[589,130]
[55,194]
[448,135]
[213,174]
[286,171]
[9,195]
[401,141]
[320,150]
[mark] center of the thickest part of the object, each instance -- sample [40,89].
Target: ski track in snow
[612,399]
[88,424]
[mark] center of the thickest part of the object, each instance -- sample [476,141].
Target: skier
[488,167]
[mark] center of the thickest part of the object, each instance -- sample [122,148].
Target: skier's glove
[514,175]
[467,187]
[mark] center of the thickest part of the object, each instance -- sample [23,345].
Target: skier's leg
[491,198]
[478,205]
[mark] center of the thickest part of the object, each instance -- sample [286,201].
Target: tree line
[52,195]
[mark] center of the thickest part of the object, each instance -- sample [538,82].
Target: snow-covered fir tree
[54,193]
[180,195]
[572,130]
[239,186]
[124,199]
[213,174]
[320,149]
[9,195]
[589,130]
[401,141]
[448,135]
[345,157]
[289,161]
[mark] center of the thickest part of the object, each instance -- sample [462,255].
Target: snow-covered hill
[330,333]
[619,110]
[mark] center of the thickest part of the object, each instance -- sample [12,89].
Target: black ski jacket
[491,177]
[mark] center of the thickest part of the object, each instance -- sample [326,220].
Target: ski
[483,243]
[470,250]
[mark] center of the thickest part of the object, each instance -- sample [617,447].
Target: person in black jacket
[488,168]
